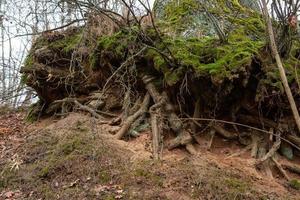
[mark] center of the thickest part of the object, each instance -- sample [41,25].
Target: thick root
[283,172]
[174,121]
[156,134]
[131,119]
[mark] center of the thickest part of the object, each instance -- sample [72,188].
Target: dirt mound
[76,157]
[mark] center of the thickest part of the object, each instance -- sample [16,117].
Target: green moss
[112,48]
[207,56]
[67,44]
[29,61]
[44,172]
[34,109]
[236,185]
[179,14]
[295,184]
[104,177]
[147,174]
[24,79]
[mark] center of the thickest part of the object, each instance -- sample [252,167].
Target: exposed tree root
[212,136]
[174,122]
[247,148]
[292,168]
[254,145]
[80,106]
[156,134]
[224,133]
[131,119]
[196,115]
[180,140]
[272,151]
[283,172]
[294,139]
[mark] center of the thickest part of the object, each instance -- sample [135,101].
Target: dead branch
[131,119]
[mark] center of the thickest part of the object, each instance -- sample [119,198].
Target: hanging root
[131,119]
[183,138]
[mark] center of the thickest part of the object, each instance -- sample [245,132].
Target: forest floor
[76,157]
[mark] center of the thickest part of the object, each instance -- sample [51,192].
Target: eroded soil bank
[77,158]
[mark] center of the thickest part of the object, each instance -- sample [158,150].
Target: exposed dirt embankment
[77,158]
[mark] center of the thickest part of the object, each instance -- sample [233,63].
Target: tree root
[283,172]
[131,119]
[224,133]
[212,133]
[294,139]
[254,145]
[180,140]
[247,148]
[162,100]
[79,105]
[156,135]
[272,151]
[292,168]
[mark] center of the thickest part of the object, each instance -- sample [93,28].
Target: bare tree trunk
[280,66]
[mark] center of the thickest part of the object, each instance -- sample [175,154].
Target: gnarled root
[156,134]
[131,119]
[278,165]
[183,138]
[272,151]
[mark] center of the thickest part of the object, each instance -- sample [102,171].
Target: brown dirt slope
[76,158]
